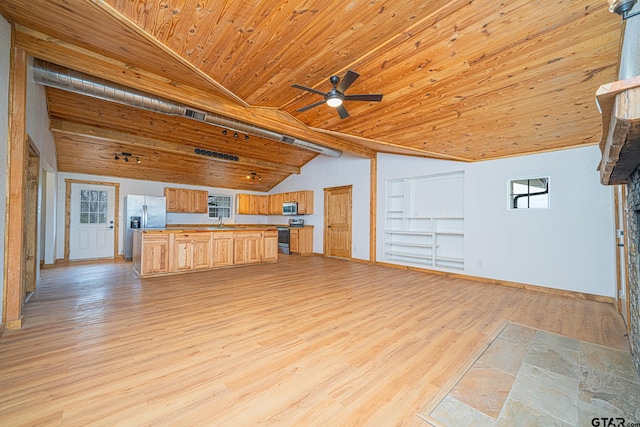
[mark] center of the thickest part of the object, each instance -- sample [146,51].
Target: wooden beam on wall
[15,221]
[68,55]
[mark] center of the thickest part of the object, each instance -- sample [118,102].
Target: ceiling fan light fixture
[334,101]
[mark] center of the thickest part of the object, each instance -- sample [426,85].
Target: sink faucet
[220,220]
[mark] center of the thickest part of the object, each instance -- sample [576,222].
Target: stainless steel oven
[283,240]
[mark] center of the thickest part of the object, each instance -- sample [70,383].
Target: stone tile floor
[528,377]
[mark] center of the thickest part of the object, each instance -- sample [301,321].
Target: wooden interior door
[337,222]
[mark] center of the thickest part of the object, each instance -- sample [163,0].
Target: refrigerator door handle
[144,216]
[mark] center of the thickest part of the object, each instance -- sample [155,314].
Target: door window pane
[93,207]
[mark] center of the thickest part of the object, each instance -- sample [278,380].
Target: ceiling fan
[335,97]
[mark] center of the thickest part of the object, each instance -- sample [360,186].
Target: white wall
[569,246]
[5,49]
[149,188]
[324,172]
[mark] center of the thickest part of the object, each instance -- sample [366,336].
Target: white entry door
[91,233]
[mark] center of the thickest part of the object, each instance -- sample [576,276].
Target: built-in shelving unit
[424,221]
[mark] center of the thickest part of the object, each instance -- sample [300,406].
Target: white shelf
[408,254]
[413,245]
[422,221]
[452,259]
[410,233]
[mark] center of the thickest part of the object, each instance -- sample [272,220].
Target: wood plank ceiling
[463,79]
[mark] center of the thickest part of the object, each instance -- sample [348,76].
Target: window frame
[213,210]
[529,194]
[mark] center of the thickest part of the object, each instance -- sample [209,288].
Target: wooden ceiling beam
[68,55]
[76,129]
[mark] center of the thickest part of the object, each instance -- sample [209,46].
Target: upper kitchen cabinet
[305,202]
[251,204]
[185,200]
[275,204]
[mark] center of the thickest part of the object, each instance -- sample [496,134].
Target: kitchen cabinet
[186,200]
[275,204]
[246,247]
[200,201]
[165,251]
[151,254]
[222,249]
[270,246]
[243,206]
[305,202]
[263,205]
[301,240]
[252,204]
[191,251]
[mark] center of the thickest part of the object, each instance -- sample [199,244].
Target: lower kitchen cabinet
[191,251]
[222,249]
[270,246]
[162,252]
[246,248]
[151,254]
[301,240]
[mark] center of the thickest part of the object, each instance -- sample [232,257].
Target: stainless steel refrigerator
[142,212]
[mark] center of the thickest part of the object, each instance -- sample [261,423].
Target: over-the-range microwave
[290,208]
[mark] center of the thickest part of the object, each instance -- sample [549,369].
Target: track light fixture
[126,156]
[235,135]
[224,132]
[254,176]
[246,137]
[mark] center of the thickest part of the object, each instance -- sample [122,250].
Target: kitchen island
[158,252]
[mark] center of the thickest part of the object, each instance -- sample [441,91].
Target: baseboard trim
[536,288]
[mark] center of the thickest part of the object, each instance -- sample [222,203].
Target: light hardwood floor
[304,341]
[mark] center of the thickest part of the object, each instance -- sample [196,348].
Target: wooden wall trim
[373,203]
[536,288]
[17,155]
[67,213]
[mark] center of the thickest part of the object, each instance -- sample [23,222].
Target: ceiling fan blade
[308,107]
[347,80]
[372,97]
[342,111]
[308,89]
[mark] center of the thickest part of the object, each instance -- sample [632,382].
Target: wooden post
[17,153]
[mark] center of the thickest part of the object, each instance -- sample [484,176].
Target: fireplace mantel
[619,103]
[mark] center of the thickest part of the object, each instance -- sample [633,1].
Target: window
[93,207]
[530,193]
[219,206]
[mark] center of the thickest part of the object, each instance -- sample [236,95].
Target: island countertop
[208,229]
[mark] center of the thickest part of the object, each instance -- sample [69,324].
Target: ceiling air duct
[52,75]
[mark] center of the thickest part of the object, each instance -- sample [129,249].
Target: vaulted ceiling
[462,80]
